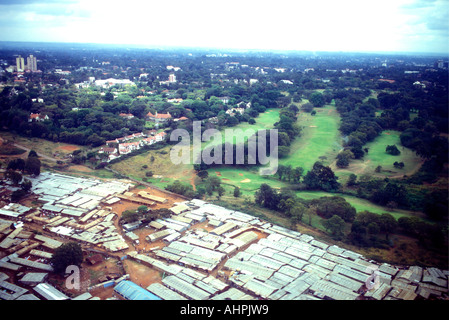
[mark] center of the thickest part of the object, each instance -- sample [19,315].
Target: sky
[319,25]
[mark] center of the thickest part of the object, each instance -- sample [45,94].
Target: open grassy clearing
[360,204]
[159,163]
[319,140]
[48,148]
[377,156]
[248,181]
[265,120]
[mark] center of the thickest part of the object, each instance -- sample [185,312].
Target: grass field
[359,204]
[248,181]
[265,120]
[377,156]
[319,140]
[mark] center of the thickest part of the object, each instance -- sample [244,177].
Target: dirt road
[39,154]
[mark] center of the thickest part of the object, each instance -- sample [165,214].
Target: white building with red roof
[159,117]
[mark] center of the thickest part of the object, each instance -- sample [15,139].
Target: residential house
[37,117]
[233,111]
[175,100]
[159,117]
[125,148]
[126,115]
[149,140]
[160,136]
[107,150]
[152,132]
[109,142]
[225,100]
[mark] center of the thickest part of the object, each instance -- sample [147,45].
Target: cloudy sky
[318,25]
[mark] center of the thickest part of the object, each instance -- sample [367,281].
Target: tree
[203,174]
[33,166]
[317,99]
[26,185]
[237,192]
[321,177]
[393,150]
[149,174]
[335,225]
[17,195]
[142,209]
[343,158]
[329,206]
[297,212]
[130,216]
[67,254]
[352,180]
[307,107]
[14,176]
[387,224]
[221,191]
[398,165]
[391,192]
[297,173]
[266,197]
[436,204]
[16,164]
[32,153]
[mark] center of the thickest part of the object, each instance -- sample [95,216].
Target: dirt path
[43,156]
[192,181]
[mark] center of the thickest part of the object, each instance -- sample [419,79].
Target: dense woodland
[371,93]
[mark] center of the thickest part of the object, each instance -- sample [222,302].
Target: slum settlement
[199,251]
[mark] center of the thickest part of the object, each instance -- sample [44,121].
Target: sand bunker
[245,180]
[218,173]
[241,174]
[312,126]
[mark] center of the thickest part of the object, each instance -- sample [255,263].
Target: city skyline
[416,26]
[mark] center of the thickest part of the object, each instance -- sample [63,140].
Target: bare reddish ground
[68,148]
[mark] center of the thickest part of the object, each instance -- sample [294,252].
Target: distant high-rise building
[20,63]
[32,63]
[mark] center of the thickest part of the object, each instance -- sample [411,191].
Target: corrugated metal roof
[185,288]
[131,291]
[49,292]
[164,293]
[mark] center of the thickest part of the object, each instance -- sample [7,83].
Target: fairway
[359,204]
[247,181]
[265,120]
[319,138]
[377,156]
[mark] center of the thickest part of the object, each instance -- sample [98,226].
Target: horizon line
[205,48]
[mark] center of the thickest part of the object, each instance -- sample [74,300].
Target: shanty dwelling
[95,259]
[164,292]
[34,278]
[131,291]
[49,292]
[9,291]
